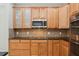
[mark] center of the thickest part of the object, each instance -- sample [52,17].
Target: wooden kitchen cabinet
[74,8]
[38,47]
[56,46]
[53,18]
[64,48]
[35,13]
[64,17]
[17,44]
[26,21]
[17,17]
[34,49]
[21,17]
[43,49]
[50,47]
[39,13]
[19,47]
[53,47]
[43,13]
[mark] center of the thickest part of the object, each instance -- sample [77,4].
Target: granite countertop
[53,38]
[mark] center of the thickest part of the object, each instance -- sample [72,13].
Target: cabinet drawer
[19,52]
[24,44]
[65,43]
[39,41]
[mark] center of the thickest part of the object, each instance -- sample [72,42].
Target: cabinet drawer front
[39,41]
[19,53]
[20,45]
[14,41]
[65,43]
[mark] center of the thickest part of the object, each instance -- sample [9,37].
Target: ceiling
[40,4]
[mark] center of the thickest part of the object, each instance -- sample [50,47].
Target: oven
[74,48]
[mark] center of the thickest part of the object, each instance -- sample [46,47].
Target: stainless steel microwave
[39,23]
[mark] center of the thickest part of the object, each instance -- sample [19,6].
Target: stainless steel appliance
[74,28]
[39,23]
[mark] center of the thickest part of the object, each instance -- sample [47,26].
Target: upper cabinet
[38,13]
[56,17]
[21,18]
[43,13]
[52,17]
[17,18]
[35,13]
[64,17]
[74,7]
[26,23]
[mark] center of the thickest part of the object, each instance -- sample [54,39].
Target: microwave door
[37,23]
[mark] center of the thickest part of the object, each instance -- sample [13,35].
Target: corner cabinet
[53,17]
[64,17]
[74,8]
[21,17]
[64,48]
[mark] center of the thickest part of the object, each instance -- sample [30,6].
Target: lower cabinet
[64,48]
[38,47]
[54,47]
[19,47]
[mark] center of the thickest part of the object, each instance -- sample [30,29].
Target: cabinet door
[34,49]
[64,17]
[17,18]
[43,49]
[52,17]
[50,47]
[65,51]
[74,7]
[56,47]
[39,47]
[35,13]
[26,21]
[43,13]
[64,48]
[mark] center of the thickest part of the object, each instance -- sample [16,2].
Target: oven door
[74,49]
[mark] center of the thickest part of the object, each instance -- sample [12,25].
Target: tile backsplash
[39,33]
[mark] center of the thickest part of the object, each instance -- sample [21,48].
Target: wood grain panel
[64,17]
[43,13]
[50,47]
[35,13]
[53,18]
[34,49]
[43,49]
[19,52]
